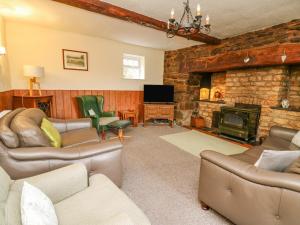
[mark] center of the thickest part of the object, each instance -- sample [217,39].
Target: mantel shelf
[289,109]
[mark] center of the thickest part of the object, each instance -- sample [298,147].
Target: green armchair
[92,103]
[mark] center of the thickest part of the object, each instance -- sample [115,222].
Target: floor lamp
[34,72]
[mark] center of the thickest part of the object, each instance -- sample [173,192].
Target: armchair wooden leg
[103,135]
[204,206]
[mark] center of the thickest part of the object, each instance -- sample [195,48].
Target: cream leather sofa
[78,200]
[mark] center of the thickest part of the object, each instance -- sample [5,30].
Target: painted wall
[35,45]
[4,72]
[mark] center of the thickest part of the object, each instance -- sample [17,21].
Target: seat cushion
[103,121]
[275,143]
[97,204]
[120,124]
[79,137]
[250,156]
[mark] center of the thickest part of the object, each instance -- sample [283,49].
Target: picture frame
[75,60]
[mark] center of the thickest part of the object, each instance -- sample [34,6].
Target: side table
[129,115]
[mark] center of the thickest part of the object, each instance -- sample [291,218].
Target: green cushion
[119,124]
[52,133]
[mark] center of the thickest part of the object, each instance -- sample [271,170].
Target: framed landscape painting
[75,60]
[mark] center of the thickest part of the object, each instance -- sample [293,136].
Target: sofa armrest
[283,132]
[71,153]
[252,173]
[72,124]
[61,183]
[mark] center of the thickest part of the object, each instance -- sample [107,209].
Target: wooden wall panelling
[6,100]
[65,104]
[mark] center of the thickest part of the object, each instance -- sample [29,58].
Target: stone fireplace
[260,85]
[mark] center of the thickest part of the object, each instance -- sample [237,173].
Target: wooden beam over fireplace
[110,10]
[266,56]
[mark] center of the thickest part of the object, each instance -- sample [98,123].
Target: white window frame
[141,66]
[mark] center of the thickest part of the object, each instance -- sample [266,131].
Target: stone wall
[266,85]
[206,110]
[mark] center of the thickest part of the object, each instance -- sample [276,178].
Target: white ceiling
[228,18]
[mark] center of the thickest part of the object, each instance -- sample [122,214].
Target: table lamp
[33,72]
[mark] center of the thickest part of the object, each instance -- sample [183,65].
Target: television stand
[159,111]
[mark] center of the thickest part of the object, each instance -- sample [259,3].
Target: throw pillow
[296,139]
[276,160]
[36,207]
[294,167]
[92,112]
[51,132]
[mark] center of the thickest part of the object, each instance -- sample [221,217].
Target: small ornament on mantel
[285,103]
[283,57]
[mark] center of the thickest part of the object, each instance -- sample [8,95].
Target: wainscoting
[6,100]
[65,104]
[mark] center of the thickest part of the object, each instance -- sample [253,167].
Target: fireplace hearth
[240,122]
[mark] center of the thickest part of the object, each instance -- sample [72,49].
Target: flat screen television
[158,93]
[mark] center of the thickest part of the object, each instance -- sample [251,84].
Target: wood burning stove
[240,121]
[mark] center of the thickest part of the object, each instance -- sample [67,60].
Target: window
[133,67]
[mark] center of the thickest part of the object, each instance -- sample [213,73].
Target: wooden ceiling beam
[110,10]
[265,56]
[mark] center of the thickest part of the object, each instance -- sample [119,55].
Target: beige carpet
[162,180]
[195,142]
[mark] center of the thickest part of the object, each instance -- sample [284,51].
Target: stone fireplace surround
[265,86]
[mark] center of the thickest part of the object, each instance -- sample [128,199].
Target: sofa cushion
[98,203]
[294,167]
[52,133]
[79,137]
[250,156]
[7,136]
[27,126]
[275,143]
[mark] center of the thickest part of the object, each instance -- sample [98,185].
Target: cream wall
[35,45]
[4,72]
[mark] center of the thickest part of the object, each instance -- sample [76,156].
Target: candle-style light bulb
[198,10]
[207,20]
[168,24]
[172,13]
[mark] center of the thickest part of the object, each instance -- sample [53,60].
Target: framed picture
[75,60]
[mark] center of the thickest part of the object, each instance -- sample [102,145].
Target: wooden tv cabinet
[159,111]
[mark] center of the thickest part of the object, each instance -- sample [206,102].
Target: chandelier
[188,25]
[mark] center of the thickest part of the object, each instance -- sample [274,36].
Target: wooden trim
[265,56]
[87,59]
[110,10]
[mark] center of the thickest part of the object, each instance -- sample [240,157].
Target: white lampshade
[2,50]
[33,71]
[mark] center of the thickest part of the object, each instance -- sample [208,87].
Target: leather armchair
[81,143]
[248,195]
[96,103]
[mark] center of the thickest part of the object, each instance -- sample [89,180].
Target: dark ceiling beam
[110,10]
[263,56]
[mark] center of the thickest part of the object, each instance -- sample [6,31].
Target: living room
[169,113]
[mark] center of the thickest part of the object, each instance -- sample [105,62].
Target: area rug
[195,142]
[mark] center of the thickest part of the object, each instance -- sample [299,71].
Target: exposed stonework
[206,110]
[266,85]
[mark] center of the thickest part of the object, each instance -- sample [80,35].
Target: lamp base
[32,82]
